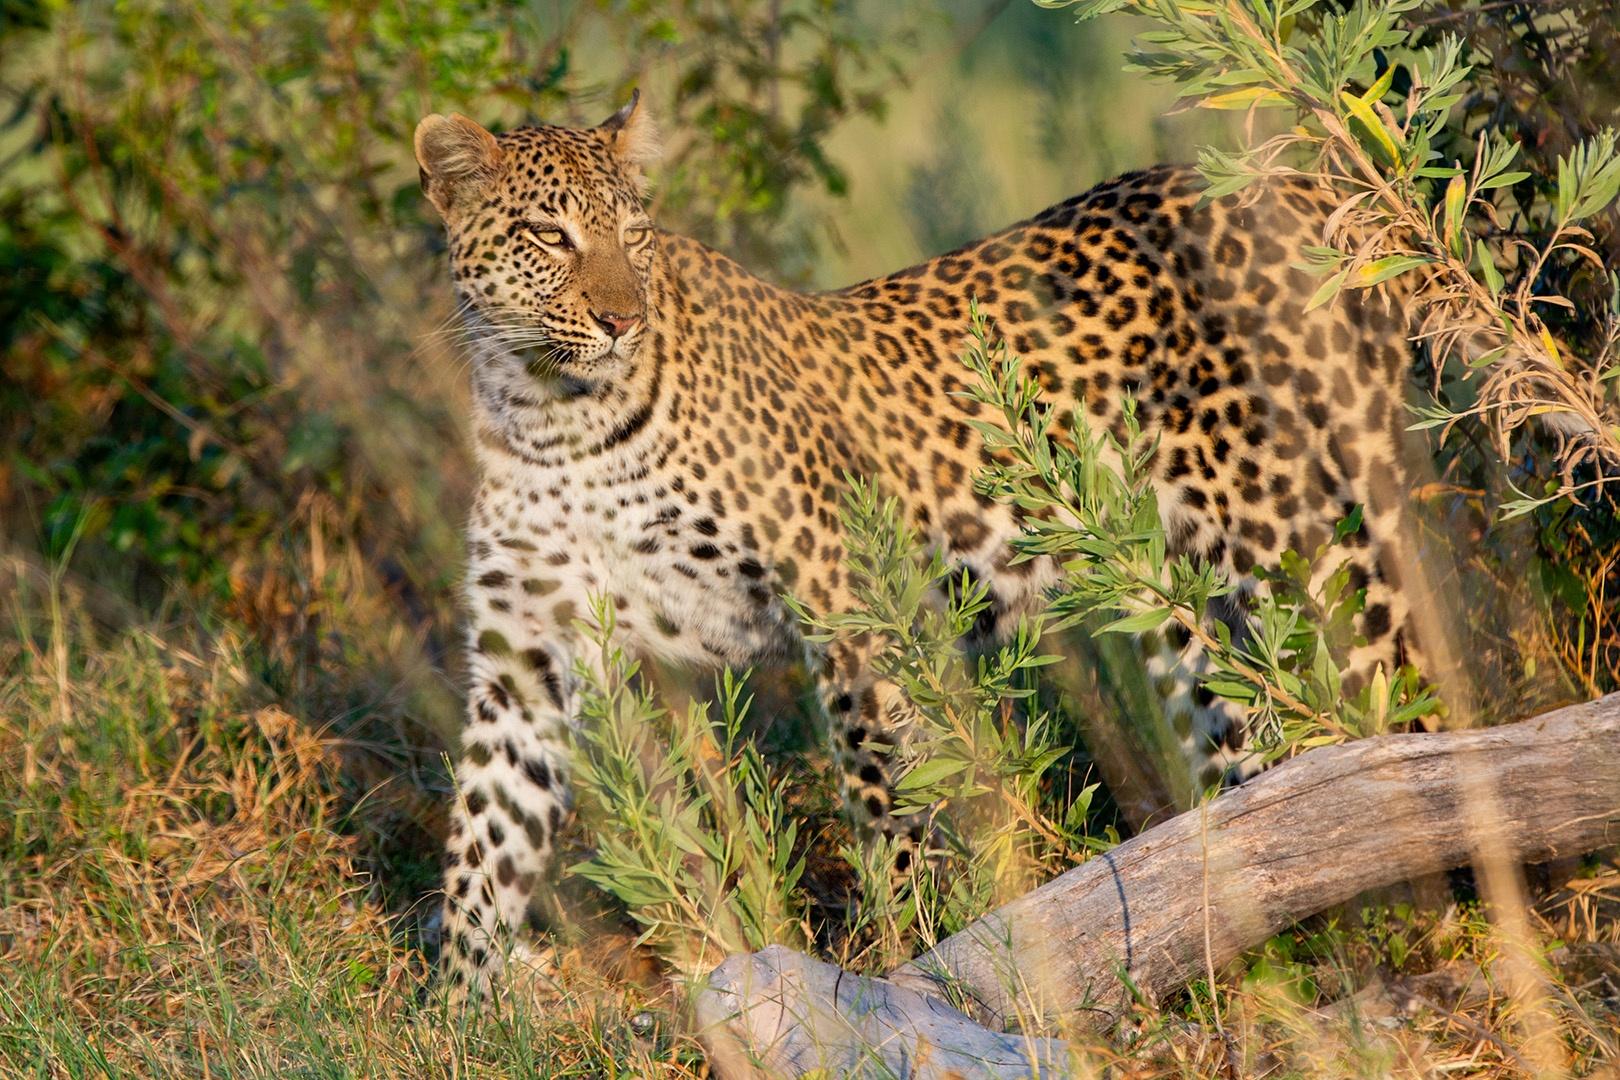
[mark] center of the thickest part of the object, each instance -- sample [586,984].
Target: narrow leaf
[1369,274]
[1377,90]
[1487,266]
[1261,96]
[1138,623]
[1374,125]
[1456,201]
[1328,290]
[1551,346]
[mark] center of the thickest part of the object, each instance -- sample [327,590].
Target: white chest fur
[549,542]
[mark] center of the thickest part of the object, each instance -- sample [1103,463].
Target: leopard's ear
[632,134]
[458,158]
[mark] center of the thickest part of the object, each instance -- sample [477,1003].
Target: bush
[1466,182]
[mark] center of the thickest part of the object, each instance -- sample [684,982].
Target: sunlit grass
[189,887]
[183,892]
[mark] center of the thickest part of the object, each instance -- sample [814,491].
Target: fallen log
[1193,893]
[779,1013]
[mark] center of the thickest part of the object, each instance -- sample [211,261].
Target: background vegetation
[231,479]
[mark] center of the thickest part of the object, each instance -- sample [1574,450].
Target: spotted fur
[657,425]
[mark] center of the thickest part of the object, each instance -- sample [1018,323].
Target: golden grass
[184,892]
[188,888]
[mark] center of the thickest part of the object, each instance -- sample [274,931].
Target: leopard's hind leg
[870,721]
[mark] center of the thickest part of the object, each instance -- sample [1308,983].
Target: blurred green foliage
[221,285]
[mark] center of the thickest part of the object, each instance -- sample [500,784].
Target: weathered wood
[779,1013]
[1186,895]
[1311,833]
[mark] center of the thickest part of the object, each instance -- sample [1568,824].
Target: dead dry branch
[1186,897]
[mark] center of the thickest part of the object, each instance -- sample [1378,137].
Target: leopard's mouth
[592,356]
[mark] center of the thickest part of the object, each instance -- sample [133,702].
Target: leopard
[657,429]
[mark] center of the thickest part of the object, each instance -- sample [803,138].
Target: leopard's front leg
[511,795]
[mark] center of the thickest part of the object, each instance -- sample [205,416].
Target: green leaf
[931,773]
[1327,291]
[1139,623]
[1230,689]
[1456,203]
[1487,266]
[1348,525]
[1380,270]
[1075,820]
[1377,90]
[1249,96]
[1369,120]
[1589,179]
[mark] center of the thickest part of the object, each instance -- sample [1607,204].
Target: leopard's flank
[657,426]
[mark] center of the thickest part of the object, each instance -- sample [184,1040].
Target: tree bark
[1189,895]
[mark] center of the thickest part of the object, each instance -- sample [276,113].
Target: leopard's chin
[546,361]
[550,360]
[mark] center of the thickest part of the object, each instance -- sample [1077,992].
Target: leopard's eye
[549,237]
[635,234]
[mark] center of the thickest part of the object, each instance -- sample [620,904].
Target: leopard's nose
[615,323]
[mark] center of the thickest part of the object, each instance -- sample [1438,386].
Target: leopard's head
[551,248]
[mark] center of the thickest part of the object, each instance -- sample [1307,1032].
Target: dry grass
[184,892]
[188,887]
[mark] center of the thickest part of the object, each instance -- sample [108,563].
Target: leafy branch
[1376,149]
[696,840]
[1088,502]
[965,748]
